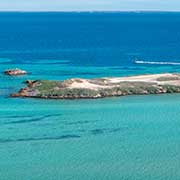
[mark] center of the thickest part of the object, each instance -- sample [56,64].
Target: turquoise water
[133,137]
[124,138]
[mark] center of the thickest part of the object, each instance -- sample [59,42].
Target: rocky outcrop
[102,87]
[15,72]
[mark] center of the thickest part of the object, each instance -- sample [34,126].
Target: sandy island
[101,87]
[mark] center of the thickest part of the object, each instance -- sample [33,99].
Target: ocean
[122,138]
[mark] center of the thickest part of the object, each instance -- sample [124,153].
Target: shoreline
[101,87]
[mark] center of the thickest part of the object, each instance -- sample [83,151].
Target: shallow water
[115,138]
[130,138]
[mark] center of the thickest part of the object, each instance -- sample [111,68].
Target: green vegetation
[172,88]
[168,78]
[46,85]
[55,89]
[100,88]
[68,93]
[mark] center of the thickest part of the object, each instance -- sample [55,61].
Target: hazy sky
[89,5]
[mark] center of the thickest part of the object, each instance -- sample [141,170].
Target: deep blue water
[131,138]
[96,39]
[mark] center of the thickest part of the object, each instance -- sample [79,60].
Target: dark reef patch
[29,120]
[78,122]
[97,131]
[107,131]
[69,136]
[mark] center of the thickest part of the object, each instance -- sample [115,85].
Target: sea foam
[158,63]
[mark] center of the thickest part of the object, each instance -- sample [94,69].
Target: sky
[89,5]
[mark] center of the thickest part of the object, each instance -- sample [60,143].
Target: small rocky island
[15,72]
[101,87]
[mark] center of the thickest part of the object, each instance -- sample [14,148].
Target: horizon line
[91,11]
